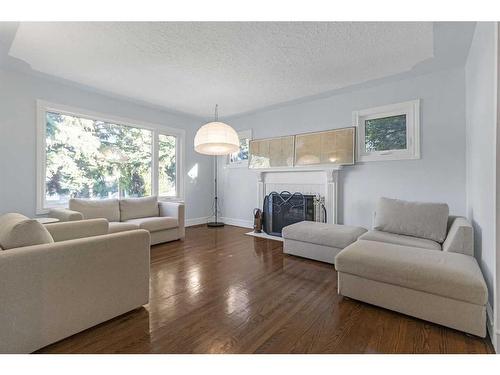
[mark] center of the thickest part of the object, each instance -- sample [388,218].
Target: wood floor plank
[219,291]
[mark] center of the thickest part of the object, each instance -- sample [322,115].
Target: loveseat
[60,279]
[164,220]
[419,261]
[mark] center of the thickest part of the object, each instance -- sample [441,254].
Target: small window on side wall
[391,132]
[240,158]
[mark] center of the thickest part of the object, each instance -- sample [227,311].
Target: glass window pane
[242,153]
[386,133]
[167,165]
[93,159]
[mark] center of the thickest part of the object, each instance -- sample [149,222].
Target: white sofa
[164,220]
[60,279]
[418,261]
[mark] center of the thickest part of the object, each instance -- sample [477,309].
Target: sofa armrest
[78,229]
[63,214]
[460,237]
[175,210]
[54,290]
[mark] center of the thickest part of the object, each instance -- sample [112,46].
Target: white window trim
[156,129]
[412,111]
[241,163]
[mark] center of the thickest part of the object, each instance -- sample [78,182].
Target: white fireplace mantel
[311,180]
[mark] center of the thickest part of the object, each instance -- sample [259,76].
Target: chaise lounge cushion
[418,219]
[17,230]
[136,208]
[332,235]
[116,226]
[154,224]
[96,209]
[399,239]
[451,275]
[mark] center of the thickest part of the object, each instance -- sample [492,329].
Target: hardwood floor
[220,291]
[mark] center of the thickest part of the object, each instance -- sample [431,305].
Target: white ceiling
[190,67]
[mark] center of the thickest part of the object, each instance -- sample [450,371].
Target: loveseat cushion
[332,235]
[451,275]
[155,224]
[399,239]
[96,208]
[135,208]
[17,230]
[417,219]
[116,226]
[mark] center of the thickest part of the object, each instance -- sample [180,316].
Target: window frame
[42,107]
[412,111]
[242,163]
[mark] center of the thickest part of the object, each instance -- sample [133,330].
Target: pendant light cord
[216,112]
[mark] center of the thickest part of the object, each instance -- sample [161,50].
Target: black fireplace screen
[285,208]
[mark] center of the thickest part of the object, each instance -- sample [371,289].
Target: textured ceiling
[189,67]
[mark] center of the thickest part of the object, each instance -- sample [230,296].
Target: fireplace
[285,208]
[319,182]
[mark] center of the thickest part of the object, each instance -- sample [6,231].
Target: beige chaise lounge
[63,278]
[164,220]
[420,262]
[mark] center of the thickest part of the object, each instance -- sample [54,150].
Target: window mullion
[155,164]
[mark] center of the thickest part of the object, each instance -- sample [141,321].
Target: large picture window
[83,155]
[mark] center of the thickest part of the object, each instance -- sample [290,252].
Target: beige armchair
[85,277]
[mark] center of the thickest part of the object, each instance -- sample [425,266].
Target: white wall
[438,176]
[18,94]
[481,123]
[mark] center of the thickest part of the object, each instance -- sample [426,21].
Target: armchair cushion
[96,209]
[417,219]
[71,230]
[135,208]
[17,230]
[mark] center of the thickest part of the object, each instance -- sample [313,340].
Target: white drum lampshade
[216,138]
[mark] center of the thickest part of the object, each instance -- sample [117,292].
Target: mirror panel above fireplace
[271,153]
[327,148]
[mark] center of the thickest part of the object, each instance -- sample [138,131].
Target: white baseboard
[196,221]
[238,222]
[491,327]
[226,220]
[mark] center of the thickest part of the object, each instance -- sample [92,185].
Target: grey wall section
[18,94]
[481,146]
[438,176]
